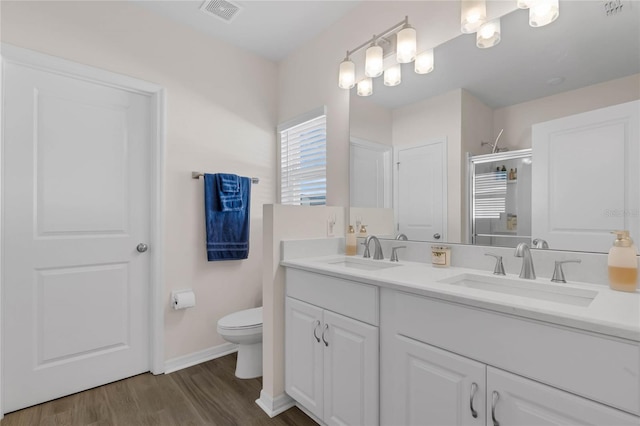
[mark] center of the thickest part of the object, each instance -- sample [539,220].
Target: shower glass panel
[500,198]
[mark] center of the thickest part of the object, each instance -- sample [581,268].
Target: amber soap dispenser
[623,263]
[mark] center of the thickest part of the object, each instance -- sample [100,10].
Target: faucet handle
[499,268]
[394,253]
[558,273]
[366,253]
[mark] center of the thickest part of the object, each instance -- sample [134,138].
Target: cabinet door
[430,386]
[514,400]
[303,354]
[350,371]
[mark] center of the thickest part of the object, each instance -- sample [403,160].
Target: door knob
[142,247]
[436,236]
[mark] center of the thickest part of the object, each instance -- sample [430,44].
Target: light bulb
[373,62]
[424,62]
[488,34]
[473,14]
[406,45]
[347,74]
[543,12]
[365,87]
[393,75]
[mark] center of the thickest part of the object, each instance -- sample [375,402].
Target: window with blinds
[303,162]
[490,195]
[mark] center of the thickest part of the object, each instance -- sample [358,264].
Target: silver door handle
[436,236]
[315,327]
[326,327]
[474,389]
[142,247]
[496,397]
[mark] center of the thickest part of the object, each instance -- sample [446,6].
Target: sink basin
[534,290]
[363,264]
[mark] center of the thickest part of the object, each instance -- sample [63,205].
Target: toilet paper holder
[182,299]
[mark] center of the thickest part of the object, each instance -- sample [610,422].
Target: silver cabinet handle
[326,327]
[494,402]
[315,327]
[436,236]
[142,247]
[474,389]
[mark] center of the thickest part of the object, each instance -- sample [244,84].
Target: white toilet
[244,328]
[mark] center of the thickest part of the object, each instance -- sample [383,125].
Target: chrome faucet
[527,270]
[402,237]
[378,249]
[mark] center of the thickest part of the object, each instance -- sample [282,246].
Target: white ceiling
[582,47]
[272,29]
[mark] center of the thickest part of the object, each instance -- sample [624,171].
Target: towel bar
[198,175]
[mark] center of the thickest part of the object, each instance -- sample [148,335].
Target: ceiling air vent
[221,9]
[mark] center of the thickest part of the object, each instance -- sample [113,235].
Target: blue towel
[228,192]
[227,230]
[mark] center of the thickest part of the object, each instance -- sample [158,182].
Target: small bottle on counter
[351,244]
[441,256]
[623,263]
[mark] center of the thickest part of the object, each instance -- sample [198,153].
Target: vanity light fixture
[405,50]
[406,44]
[393,75]
[473,14]
[373,62]
[365,87]
[347,74]
[489,34]
[543,12]
[424,62]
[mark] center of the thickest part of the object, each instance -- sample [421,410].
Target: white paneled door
[76,208]
[421,187]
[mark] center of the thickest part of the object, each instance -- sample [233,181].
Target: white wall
[219,119]
[518,119]
[370,121]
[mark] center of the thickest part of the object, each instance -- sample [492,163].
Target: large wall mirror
[588,59]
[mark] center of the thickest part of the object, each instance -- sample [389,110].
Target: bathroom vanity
[373,342]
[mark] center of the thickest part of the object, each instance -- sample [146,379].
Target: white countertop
[611,312]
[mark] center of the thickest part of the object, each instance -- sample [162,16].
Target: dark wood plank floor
[205,394]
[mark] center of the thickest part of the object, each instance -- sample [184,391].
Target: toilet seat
[242,320]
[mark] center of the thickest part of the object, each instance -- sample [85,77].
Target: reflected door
[421,189]
[586,178]
[76,206]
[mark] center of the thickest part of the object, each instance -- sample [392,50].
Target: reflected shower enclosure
[500,198]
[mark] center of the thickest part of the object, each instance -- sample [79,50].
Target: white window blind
[490,195]
[303,163]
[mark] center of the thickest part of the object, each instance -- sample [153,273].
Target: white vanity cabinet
[448,364]
[331,348]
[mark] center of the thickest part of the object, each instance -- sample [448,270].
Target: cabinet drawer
[594,366]
[349,298]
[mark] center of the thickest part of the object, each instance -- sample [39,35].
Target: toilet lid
[242,319]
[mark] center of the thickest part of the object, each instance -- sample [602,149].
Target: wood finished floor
[205,394]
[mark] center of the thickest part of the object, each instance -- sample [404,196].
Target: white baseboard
[178,363]
[274,406]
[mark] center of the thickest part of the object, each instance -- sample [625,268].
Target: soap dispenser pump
[623,263]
